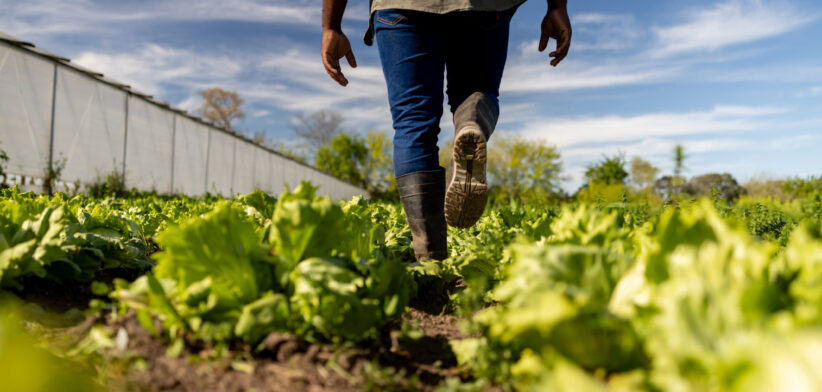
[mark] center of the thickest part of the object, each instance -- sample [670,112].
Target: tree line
[520,170]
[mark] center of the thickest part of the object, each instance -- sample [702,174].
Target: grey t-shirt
[436,7]
[444,6]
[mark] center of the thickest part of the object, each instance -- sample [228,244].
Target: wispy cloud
[659,151]
[159,70]
[32,19]
[154,67]
[597,31]
[728,23]
[651,148]
[532,75]
[614,128]
[811,92]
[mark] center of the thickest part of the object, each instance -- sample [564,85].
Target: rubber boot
[467,192]
[422,195]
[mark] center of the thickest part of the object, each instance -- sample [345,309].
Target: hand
[556,25]
[334,46]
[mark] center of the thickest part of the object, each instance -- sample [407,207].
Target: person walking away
[418,41]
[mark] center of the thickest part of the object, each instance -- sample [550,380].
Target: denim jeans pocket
[389,17]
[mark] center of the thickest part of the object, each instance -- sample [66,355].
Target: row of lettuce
[698,296]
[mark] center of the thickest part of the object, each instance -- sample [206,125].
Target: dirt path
[286,364]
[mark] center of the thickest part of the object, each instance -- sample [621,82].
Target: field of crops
[300,293]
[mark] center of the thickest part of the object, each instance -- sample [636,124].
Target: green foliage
[522,170]
[643,173]
[289,152]
[766,221]
[64,241]
[764,188]
[344,157]
[113,184]
[803,187]
[612,293]
[317,273]
[554,304]
[723,184]
[379,167]
[600,193]
[679,166]
[610,171]
[366,162]
[689,301]
[26,367]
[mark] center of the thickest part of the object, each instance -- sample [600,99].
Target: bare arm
[556,25]
[335,44]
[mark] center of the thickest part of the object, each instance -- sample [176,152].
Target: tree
[799,187]
[289,152]
[317,129]
[679,166]
[344,157]
[523,170]
[725,185]
[363,161]
[221,107]
[379,166]
[643,173]
[764,187]
[664,186]
[610,171]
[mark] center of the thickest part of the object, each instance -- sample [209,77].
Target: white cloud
[33,19]
[654,148]
[528,75]
[595,31]
[614,128]
[728,23]
[294,81]
[811,92]
[259,113]
[190,104]
[310,88]
[154,65]
[659,152]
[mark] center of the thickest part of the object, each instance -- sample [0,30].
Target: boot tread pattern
[467,192]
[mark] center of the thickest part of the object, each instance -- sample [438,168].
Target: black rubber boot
[423,195]
[467,191]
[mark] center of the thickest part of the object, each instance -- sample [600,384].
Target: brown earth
[287,364]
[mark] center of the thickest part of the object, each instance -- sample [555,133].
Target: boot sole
[467,193]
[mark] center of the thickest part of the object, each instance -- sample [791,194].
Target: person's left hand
[556,25]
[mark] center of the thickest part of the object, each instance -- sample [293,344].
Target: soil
[288,364]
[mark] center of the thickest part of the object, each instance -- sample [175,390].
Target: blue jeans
[415,50]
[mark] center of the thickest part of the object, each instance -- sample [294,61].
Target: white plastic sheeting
[244,167]
[97,121]
[148,146]
[220,163]
[277,174]
[89,127]
[262,170]
[26,85]
[290,178]
[190,154]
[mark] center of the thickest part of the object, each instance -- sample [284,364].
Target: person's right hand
[556,25]
[335,45]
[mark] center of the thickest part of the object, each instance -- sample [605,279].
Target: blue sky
[738,82]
